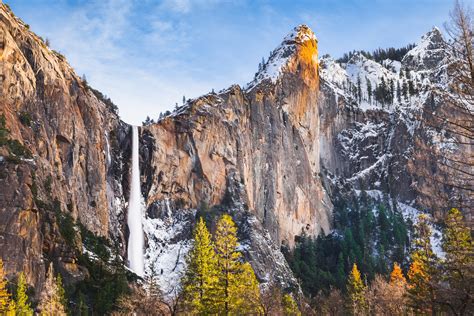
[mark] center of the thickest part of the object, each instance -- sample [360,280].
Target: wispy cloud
[147,54]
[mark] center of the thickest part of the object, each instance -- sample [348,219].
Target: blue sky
[145,55]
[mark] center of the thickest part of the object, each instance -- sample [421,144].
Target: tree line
[379,54]
[430,286]
[14,298]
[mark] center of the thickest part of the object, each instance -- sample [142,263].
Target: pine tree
[356,292]
[61,292]
[50,301]
[369,89]
[422,269]
[12,309]
[458,266]
[359,89]
[418,289]
[399,92]
[4,295]
[392,90]
[201,276]
[22,305]
[247,292]
[290,308]
[405,90]
[228,263]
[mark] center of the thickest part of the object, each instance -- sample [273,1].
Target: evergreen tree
[4,295]
[22,305]
[201,276]
[392,90]
[52,296]
[12,309]
[419,288]
[359,89]
[356,292]
[369,90]
[407,72]
[458,266]
[290,308]
[405,90]
[422,269]
[228,263]
[237,289]
[61,292]
[411,88]
[247,292]
[399,92]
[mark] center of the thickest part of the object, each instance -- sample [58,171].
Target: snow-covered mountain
[377,128]
[275,154]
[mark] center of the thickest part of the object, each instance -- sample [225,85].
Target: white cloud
[178,6]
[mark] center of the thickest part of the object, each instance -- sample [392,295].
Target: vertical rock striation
[272,154]
[58,134]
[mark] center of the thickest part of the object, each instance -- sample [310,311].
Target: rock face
[65,153]
[392,144]
[60,139]
[256,146]
[273,154]
[253,152]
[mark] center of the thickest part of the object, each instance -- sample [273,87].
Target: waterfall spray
[134,219]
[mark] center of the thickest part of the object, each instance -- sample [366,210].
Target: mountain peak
[357,57]
[428,52]
[433,36]
[299,46]
[300,34]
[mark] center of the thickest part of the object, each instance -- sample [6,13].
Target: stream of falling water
[134,217]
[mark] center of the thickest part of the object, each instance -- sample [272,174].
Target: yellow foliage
[397,277]
[4,295]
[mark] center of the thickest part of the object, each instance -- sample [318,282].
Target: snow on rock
[168,237]
[361,71]
[410,213]
[279,58]
[429,52]
[422,67]
[376,195]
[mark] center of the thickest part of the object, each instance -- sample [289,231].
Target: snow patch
[168,246]
[410,213]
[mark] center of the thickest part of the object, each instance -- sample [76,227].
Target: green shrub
[25,118]
[18,149]
[67,228]
[4,132]
[48,184]
[97,244]
[34,187]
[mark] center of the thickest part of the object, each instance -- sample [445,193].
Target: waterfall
[134,219]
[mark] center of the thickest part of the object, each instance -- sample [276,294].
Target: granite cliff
[275,154]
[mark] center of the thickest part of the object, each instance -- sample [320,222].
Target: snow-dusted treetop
[420,69]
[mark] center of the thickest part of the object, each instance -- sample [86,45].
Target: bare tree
[331,304]
[386,297]
[174,301]
[271,300]
[454,117]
